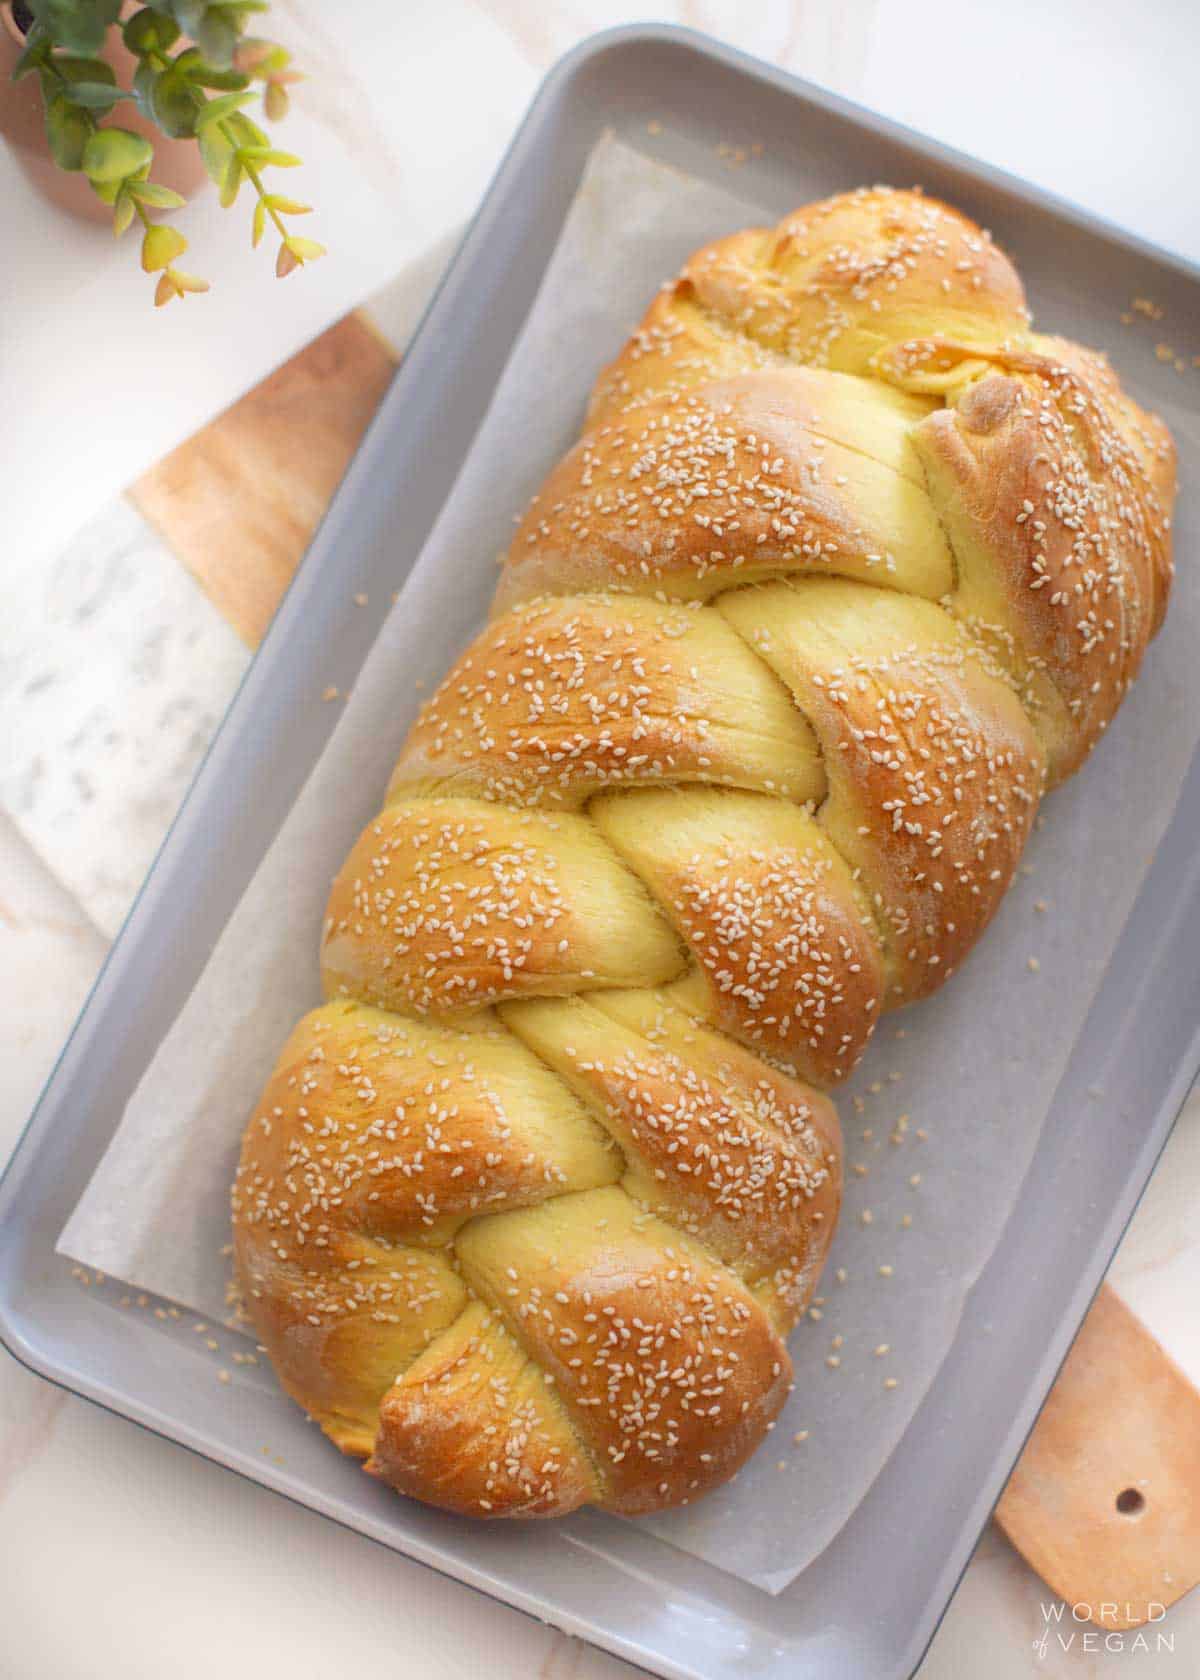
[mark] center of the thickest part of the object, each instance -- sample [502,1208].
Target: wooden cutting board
[1105,1500]
[239,501]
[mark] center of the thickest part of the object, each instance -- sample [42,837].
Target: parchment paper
[974,1069]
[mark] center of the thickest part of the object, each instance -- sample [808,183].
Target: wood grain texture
[1105,1500]
[239,501]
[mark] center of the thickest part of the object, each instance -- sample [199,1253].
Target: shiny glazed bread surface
[849,566]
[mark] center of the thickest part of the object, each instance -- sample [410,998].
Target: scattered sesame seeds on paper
[951,1103]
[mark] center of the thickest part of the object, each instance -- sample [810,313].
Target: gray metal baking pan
[868,1607]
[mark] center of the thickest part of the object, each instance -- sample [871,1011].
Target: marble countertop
[124,666]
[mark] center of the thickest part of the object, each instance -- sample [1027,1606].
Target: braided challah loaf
[849,567]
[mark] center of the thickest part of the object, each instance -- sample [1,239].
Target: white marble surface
[162,1558]
[114,672]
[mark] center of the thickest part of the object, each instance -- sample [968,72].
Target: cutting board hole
[1130,1502]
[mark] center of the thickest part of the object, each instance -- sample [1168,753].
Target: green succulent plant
[197,70]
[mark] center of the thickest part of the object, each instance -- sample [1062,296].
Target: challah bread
[849,567]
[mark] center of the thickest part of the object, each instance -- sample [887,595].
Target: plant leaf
[158,198]
[33,54]
[144,78]
[275,101]
[216,36]
[215,151]
[201,74]
[214,110]
[246,132]
[123,212]
[253,54]
[78,25]
[112,154]
[260,222]
[150,31]
[262,58]
[175,105]
[165,290]
[268,154]
[188,14]
[231,185]
[68,130]
[308,250]
[287,206]
[95,96]
[160,246]
[83,69]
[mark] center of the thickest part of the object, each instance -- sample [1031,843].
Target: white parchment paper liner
[974,1069]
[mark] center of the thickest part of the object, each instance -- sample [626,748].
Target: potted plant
[98,93]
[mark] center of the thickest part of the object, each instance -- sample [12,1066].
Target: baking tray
[871,1602]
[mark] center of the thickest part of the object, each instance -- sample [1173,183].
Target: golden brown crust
[452,904]
[662,1358]
[934,770]
[562,698]
[1050,493]
[787,957]
[849,564]
[832,286]
[678,346]
[790,470]
[339,1322]
[740,1155]
[402,1131]
[1147,435]
[474,1426]
[375,1139]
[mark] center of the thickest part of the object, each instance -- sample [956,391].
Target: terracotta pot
[176,164]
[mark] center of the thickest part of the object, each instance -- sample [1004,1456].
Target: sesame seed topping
[741,762]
